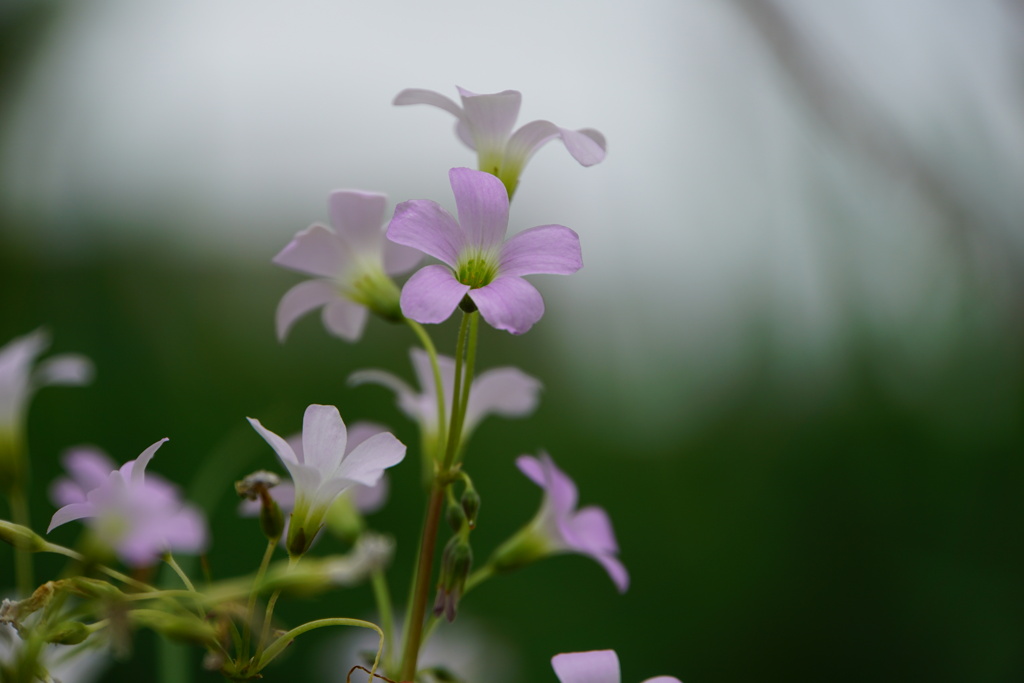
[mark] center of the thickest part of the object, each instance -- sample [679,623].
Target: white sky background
[221,126]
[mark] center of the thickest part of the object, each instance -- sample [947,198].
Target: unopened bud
[471,506]
[271,518]
[455,516]
[68,633]
[21,537]
[455,566]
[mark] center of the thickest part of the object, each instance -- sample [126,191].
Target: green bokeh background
[875,535]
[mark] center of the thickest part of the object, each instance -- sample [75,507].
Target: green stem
[387,620]
[169,559]
[428,346]
[68,552]
[421,583]
[458,409]
[467,383]
[24,579]
[268,618]
[250,611]
[281,643]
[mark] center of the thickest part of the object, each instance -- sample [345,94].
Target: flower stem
[428,346]
[24,580]
[250,611]
[387,619]
[421,582]
[281,643]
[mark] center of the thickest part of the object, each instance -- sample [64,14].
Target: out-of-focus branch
[854,121]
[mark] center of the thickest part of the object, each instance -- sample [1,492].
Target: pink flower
[138,517]
[352,263]
[325,467]
[596,666]
[480,264]
[559,527]
[484,123]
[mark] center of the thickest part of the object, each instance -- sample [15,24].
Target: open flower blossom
[20,377]
[360,497]
[480,264]
[484,123]
[596,666]
[507,391]
[559,527]
[352,263]
[138,517]
[325,467]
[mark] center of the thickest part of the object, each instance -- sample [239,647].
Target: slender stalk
[421,583]
[387,619]
[250,611]
[113,573]
[23,572]
[268,618]
[281,643]
[467,384]
[458,409]
[428,346]
[169,559]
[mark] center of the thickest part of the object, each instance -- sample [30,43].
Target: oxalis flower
[482,270]
[559,527]
[484,123]
[138,517]
[324,468]
[20,377]
[596,666]
[353,262]
[507,391]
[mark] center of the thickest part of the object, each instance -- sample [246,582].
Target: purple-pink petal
[509,392]
[509,303]
[357,217]
[317,250]
[587,146]
[345,318]
[89,468]
[551,249]
[300,300]
[366,463]
[432,294]
[427,226]
[482,203]
[597,666]
[399,258]
[435,99]
[490,117]
[324,437]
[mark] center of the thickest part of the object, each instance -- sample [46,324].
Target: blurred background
[791,368]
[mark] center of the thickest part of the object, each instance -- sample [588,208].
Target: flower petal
[509,392]
[358,218]
[425,376]
[663,679]
[431,294]
[509,303]
[587,146]
[435,99]
[427,226]
[399,258]
[543,472]
[69,369]
[408,400]
[89,468]
[70,513]
[367,462]
[317,250]
[551,249]
[590,532]
[345,318]
[482,203]
[139,469]
[299,300]
[597,666]
[324,438]
[280,446]
[490,118]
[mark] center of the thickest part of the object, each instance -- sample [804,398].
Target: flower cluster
[335,473]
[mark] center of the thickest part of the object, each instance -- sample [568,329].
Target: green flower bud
[456,517]
[68,633]
[471,506]
[21,537]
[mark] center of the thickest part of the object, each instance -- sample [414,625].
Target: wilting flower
[484,123]
[325,467]
[559,527]
[18,381]
[479,263]
[353,263]
[358,499]
[508,391]
[596,666]
[138,517]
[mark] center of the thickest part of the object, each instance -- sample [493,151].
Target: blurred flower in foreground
[344,515]
[63,663]
[508,392]
[324,468]
[481,264]
[596,666]
[18,381]
[137,517]
[559,527]
[485,124]
[353,262]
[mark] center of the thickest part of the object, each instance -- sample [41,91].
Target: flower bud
[455,516]
[21,537]
[271,518]
[68,633]
[455,566]
[471,506]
